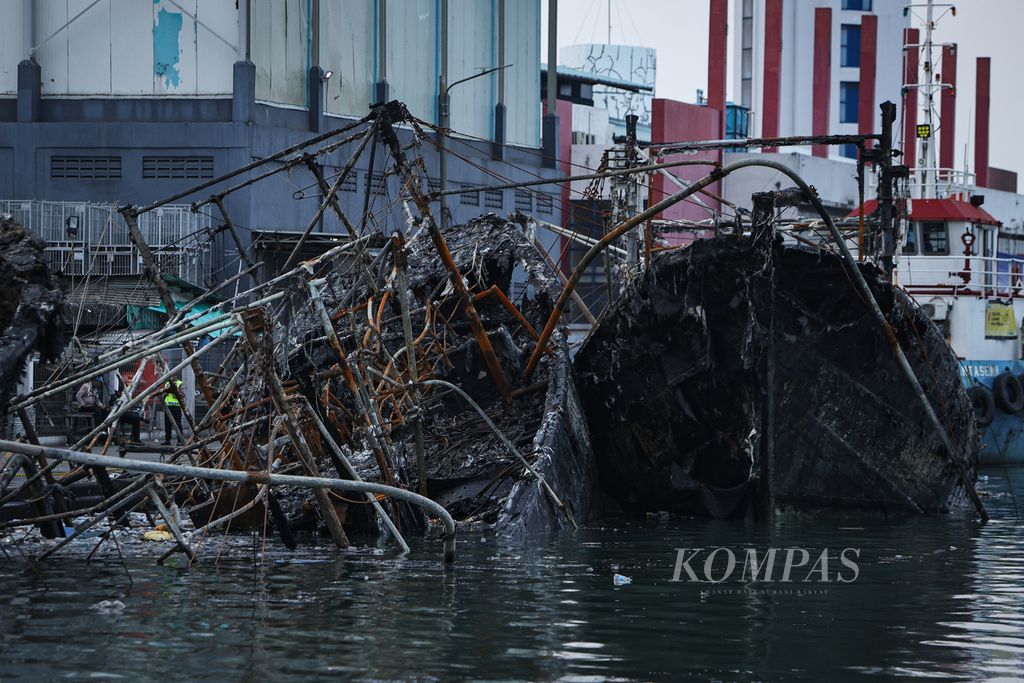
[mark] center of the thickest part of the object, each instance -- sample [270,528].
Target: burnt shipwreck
[496,453]
[420,378]
[31,305]
[742,375]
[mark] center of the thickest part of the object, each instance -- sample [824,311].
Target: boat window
[935,239]
[910,248]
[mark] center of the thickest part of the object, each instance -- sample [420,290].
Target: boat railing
[984,276]
[936,182]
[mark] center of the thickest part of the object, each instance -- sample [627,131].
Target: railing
[943,183]
[986,276]
[99,243]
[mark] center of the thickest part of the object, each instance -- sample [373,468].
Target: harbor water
[935,597]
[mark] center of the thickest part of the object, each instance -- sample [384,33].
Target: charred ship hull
[733,378]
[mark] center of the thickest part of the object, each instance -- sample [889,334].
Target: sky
[678,30]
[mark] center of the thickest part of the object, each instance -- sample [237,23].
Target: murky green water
[936,597]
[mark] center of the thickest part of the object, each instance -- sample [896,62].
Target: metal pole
[383,516]
[331,193]
[390,139]
[443,104]
[131,219]
[189,471]
[498,150]
[552,57]
[401,263]
[242,254]
[927,148]
[298,438]
[883,162]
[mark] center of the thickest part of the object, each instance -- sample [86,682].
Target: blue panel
[849,49]
[849,96]
[167,47]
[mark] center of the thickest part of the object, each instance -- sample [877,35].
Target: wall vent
[544,203]
[469,198]
[524,200]
[494,199]
[85,167]
[177,167]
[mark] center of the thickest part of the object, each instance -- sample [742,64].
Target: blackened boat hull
[732,378]
[564,458]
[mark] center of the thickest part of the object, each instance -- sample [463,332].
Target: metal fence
[93,238]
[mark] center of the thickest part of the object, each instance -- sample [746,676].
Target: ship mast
[927,173]
[927,148]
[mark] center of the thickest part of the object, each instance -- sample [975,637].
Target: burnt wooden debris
[421,380]
[31,305]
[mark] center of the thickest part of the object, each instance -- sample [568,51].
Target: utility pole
[882,156]
[444,115]
[624,191]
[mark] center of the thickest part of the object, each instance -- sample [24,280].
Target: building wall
[413,42]
[280,41]
[797,61]
[673,121]
[187,48]
[347,49]
[522,79]
[12,45]
[141,107]
[130,48]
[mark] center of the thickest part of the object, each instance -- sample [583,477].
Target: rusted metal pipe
[597,249]
[212,474]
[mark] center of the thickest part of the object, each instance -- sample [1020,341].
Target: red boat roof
[939,210]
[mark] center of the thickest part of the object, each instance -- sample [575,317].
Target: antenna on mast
[927,174]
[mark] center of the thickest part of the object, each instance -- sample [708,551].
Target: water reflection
[936,597]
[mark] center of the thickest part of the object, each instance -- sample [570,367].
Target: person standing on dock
[88,399]
[172,409]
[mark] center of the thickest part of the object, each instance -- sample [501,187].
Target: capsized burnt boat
[469,468]
[737,376]
[31,306]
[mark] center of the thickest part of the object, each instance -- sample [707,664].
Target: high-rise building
[820,67]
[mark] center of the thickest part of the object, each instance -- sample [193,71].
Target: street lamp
[443,105]
[326,80]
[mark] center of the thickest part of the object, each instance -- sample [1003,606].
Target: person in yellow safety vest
[172,406]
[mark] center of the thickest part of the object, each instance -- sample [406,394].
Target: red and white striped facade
[788,69]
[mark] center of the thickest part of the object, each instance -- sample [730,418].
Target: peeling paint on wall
[167,49]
